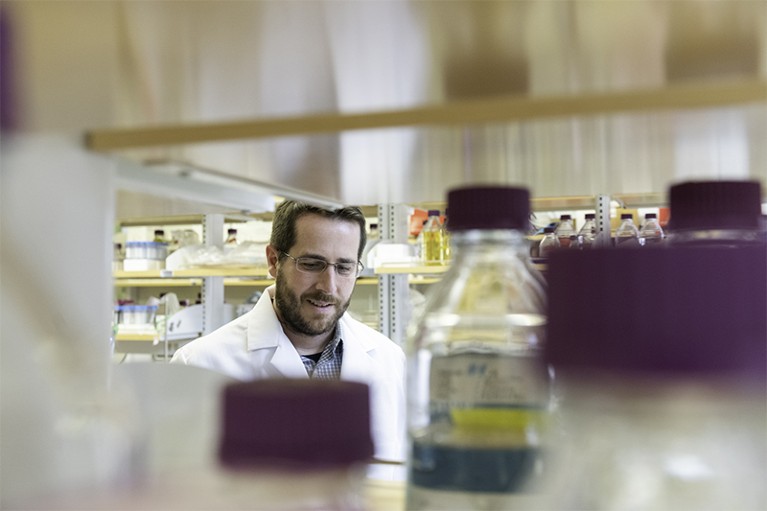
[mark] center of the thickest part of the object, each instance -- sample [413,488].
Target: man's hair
[288,212]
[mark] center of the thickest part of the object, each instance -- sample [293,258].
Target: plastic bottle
[431,239]
[270,461]
[548,243]
[565,230]
[651,233]
[478,392]
[716,213]
[662,402]
[627,234]
[588,233]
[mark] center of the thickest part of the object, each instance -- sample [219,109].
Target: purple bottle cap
[489,207]
[715,205]
[295,422]
[674,310]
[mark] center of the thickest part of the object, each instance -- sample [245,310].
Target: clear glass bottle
[159,236]
[565,230]
[726,213]
[446,250]
[662,399]
[548,243]
[477,390]
[431,239]
[651,233]
[270,462]
[588,233]
[627,234]
[231,237]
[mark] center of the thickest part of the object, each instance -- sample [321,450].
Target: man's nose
[327,279]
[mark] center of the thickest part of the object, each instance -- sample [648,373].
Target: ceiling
[180,63]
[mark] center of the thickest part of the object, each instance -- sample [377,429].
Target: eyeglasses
[315,266]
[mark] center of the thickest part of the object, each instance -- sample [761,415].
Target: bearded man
[299,328]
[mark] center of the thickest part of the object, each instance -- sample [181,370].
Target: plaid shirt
[328,367]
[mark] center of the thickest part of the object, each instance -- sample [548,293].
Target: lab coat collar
[267,340]
[267,343]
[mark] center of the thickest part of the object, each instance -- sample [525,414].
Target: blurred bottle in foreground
[269,460]
[716,213]
[478,392]
[663,396]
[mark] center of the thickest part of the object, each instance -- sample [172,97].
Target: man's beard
[289,307]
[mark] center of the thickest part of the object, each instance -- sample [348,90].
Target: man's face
[312,303]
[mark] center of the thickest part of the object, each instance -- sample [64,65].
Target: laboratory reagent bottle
[565,230]
[588,233]
[446,251]
[627,234]
[651,232]
[478,392]
[725,213]
[431,239]
[662,399]
[548,243]
[269,460]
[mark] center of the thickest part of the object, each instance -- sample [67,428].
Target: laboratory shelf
[408,269]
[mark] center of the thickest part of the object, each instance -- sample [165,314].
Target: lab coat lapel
[287,361]
[271,352]
[357,364]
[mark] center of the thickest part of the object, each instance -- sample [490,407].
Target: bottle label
[482,392]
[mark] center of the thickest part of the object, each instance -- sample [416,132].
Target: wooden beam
[494,110]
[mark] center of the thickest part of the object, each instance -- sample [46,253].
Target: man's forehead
[315,233]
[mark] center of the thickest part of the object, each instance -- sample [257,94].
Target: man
[299,327]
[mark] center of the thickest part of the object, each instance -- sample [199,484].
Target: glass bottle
[268,460]
[662,399]
[159,236]
[651,233]
[627,234]
[431,239]
[477,390]
[231,237]
[716,213]
[446,252]
[565,230]
[548,243]
[588,233]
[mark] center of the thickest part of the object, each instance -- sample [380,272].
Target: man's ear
[272,256]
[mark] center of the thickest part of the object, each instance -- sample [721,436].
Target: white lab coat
[254,346]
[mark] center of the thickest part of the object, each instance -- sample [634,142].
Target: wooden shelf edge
[486,110]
